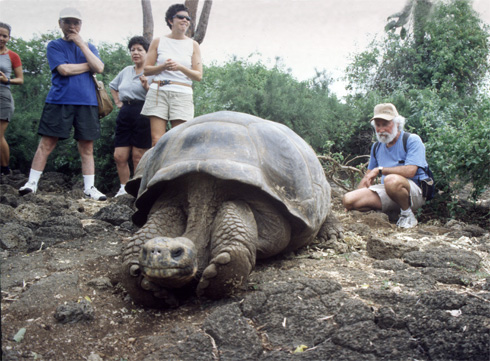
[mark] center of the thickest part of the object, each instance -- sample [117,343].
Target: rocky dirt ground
[381,294]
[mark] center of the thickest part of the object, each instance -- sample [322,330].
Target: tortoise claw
[135,270]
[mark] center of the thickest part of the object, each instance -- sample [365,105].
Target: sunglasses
[182,17]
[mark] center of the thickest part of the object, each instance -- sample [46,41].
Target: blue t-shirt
[396,156]
[76,89]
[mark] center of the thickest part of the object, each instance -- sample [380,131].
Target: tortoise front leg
[233,250]
[164,221]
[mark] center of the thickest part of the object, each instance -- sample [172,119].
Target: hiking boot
[407,220]
[29,187]
[121,192]
[94,193]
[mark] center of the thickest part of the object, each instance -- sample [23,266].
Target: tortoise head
[169,262]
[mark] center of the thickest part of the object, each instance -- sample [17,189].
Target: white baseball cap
[70,13]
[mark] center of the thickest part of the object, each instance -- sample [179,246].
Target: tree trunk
[147,20]
[203,21]
[192,5]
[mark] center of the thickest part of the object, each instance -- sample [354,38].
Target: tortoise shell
[240,147]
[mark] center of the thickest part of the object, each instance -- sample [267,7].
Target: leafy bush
[307,107]
[436,77]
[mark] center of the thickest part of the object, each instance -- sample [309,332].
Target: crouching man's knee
[348,201]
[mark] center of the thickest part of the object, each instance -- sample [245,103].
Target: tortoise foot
[225,273]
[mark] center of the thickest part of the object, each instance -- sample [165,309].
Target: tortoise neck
[203,204]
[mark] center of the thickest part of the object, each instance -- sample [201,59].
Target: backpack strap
[376,147]
[405,140]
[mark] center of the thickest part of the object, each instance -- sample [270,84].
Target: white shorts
[387,204]
[169,105]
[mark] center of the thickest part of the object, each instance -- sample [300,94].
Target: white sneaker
[407,221]
[121,192]
[94,193]
[29,187]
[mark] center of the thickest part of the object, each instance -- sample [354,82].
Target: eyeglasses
[182,17]
[72,22]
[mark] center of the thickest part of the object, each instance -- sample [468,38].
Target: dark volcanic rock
[233,333]
[15,236]
[45,293]
[384,300]
[73,312]
[444,258]
[384,249]
[115,214]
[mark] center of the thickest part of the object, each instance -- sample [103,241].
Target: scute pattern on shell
[241,147]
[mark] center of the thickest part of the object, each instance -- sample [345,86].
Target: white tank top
[181,52]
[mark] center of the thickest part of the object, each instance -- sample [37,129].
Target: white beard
[387,138]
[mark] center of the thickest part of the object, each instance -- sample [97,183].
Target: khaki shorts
[388,206]
[169,105]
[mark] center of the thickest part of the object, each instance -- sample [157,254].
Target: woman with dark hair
[9,62]
[133,133]
[175,61]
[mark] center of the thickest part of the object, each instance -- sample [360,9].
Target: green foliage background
[437,75]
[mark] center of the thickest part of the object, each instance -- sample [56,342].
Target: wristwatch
[8,81]
[380,171]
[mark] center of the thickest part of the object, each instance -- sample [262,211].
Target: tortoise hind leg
[331,234]
[233,250]
[167,221]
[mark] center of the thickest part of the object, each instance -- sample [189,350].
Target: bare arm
[19,77]
[72,69]
[196,72]
[115,96]
[93,64]
[149,68]
[407,171]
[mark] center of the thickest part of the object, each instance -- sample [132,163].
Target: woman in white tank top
[175,61]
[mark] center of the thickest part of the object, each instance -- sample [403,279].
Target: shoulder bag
[103,99]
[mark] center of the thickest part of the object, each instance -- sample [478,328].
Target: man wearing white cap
[71,102]
[400,166]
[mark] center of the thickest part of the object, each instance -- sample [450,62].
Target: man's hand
[368,178]
[76,38]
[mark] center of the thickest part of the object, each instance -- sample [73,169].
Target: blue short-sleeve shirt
[396,156]
[75,89]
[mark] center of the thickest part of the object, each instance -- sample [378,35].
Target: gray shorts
[6,104]
[388,206]
[58,119]
[169,105]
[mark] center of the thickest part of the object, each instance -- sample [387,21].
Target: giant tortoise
[215,194]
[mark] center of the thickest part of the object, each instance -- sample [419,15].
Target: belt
[168,82]
[161,83]
[135,101]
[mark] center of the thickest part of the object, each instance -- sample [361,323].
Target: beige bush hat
[70,13]
[386,111]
